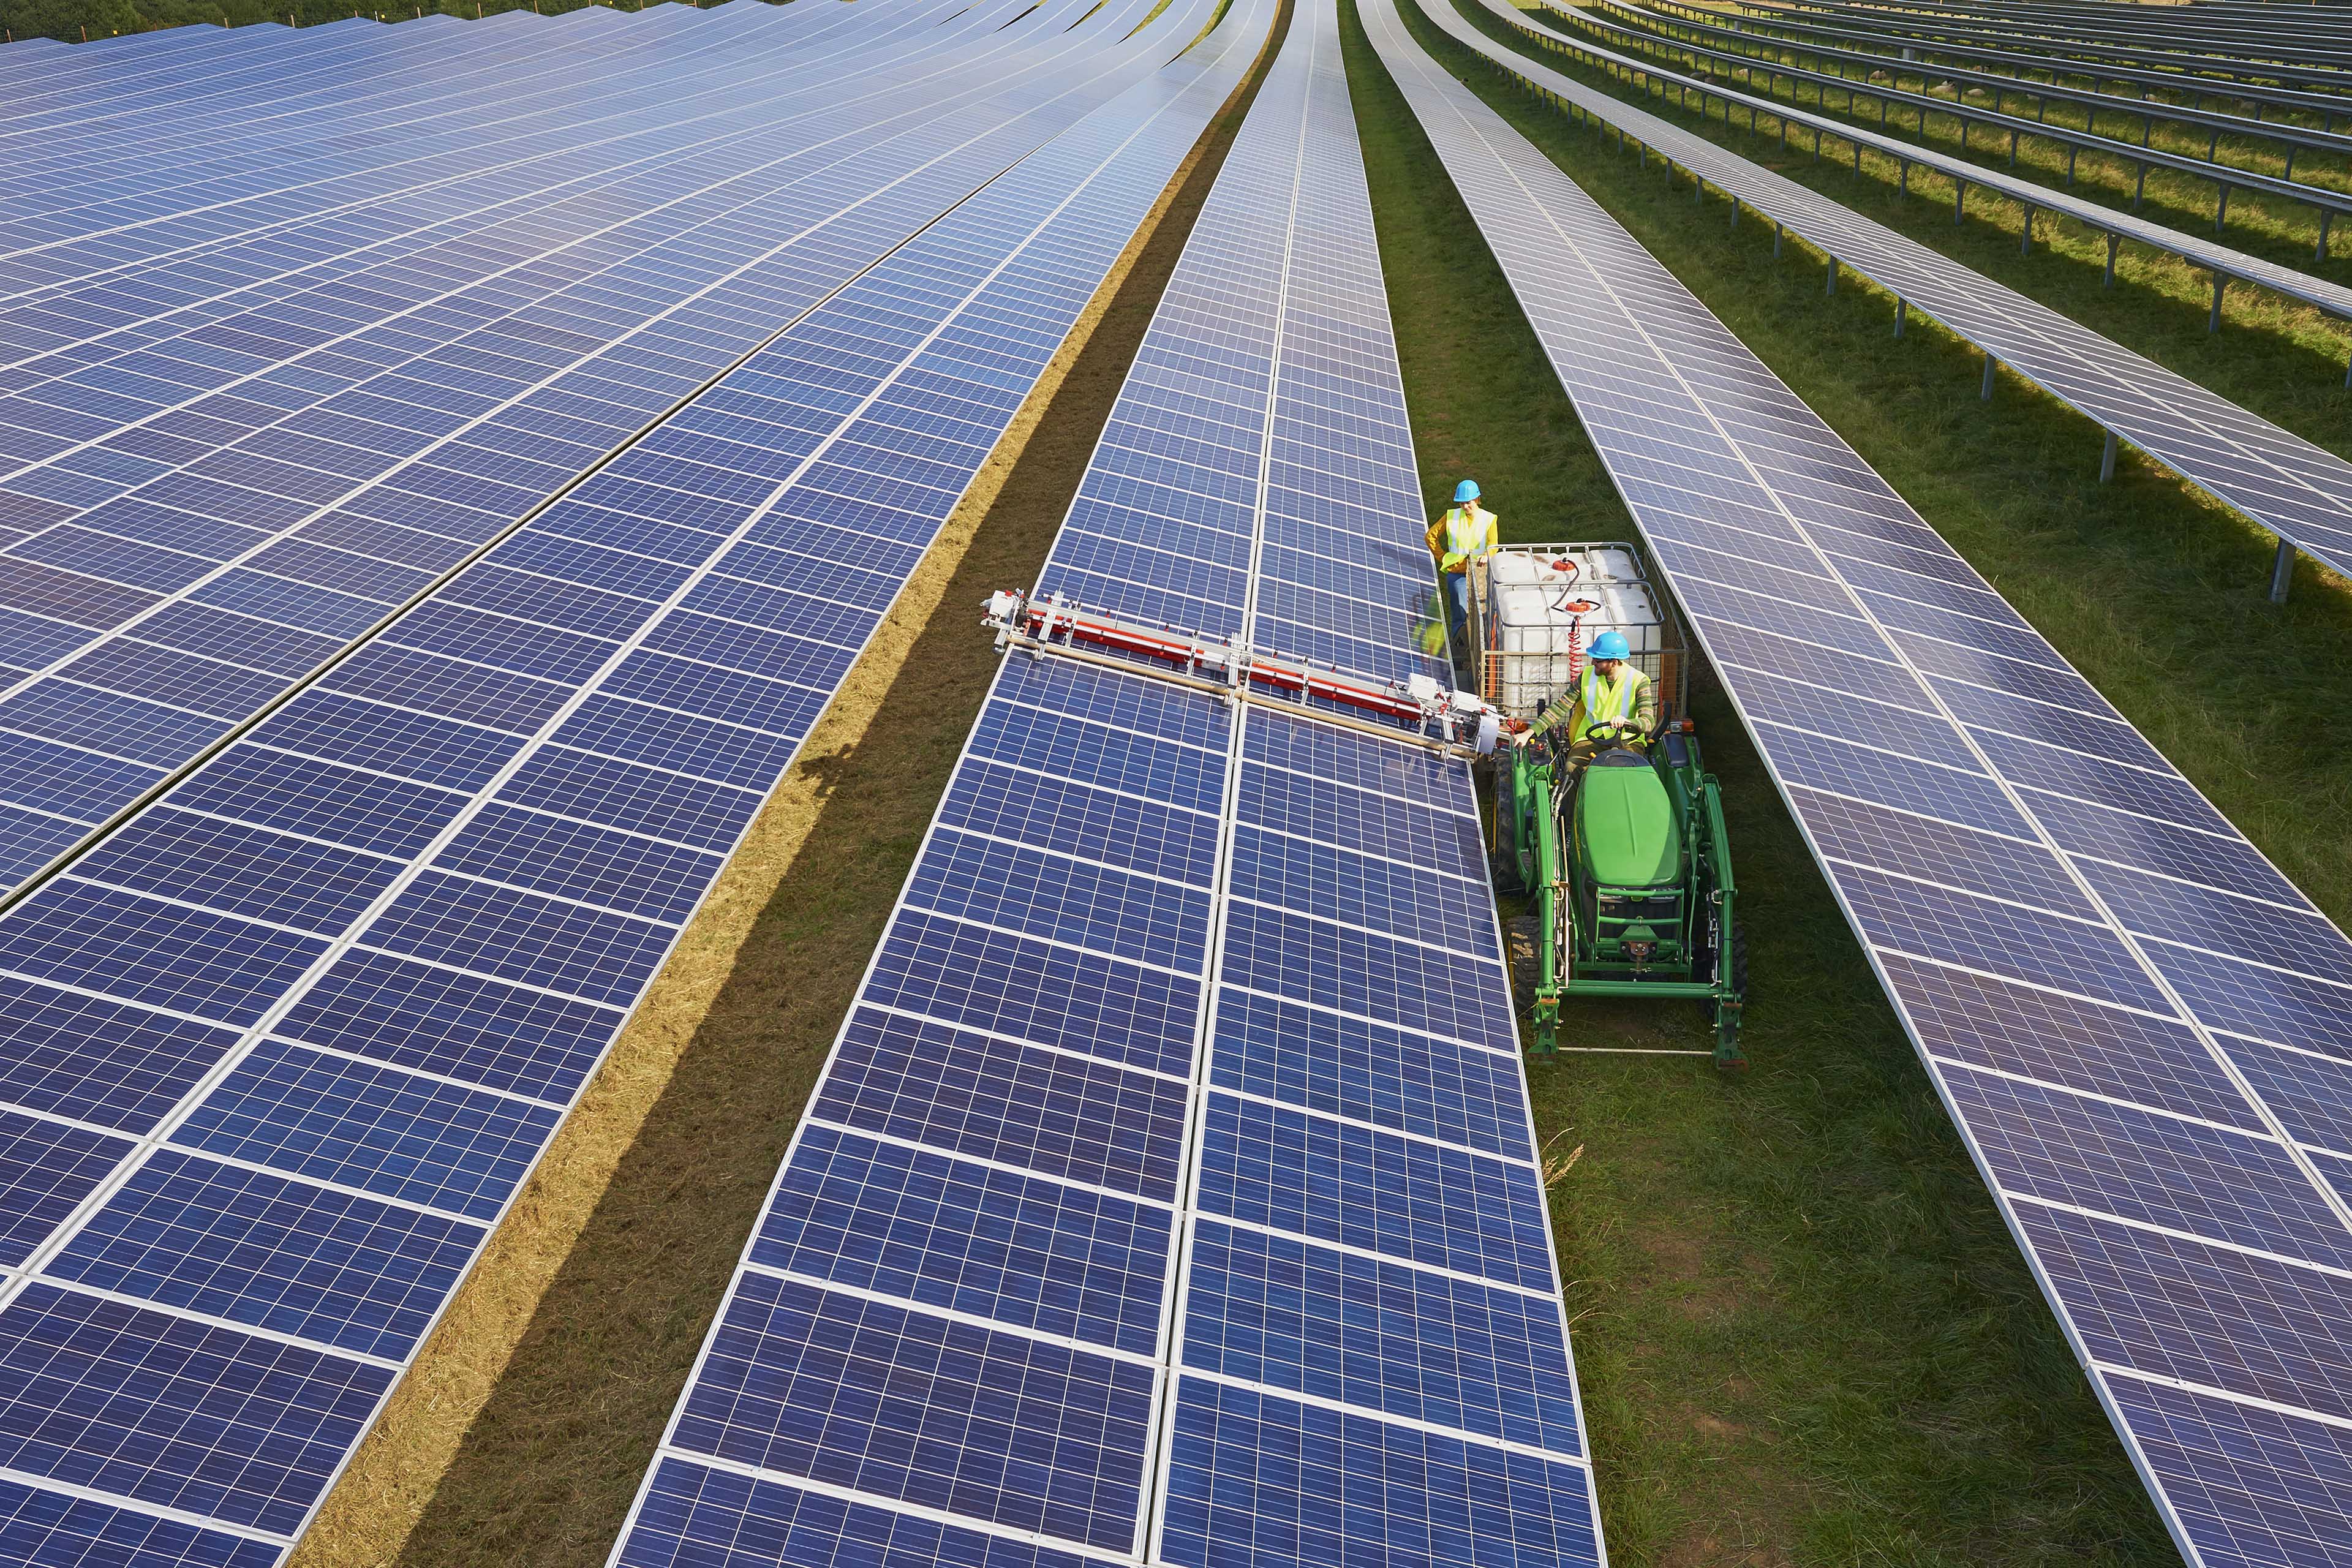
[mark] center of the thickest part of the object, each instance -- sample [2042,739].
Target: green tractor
[1629,865]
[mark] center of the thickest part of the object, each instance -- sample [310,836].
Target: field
[1803,1332]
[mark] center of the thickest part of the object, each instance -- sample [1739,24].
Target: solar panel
[1789,25]
[318,1009]
[1338,1196]
[2294,137]
[283,514]
[2139,1026]
[2127,41]
[2227,177]
[2302,492]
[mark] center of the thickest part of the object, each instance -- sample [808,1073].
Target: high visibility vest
[1606,701]
[1467,533]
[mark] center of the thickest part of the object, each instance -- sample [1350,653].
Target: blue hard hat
[1466,491]
[1610,644]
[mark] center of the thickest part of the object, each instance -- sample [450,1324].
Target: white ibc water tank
[1548,603]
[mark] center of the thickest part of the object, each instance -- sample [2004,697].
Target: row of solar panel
[287,1043]
[1824,65]
[1364,1120]
[1371,1353]
[2253,51]
[2300,490]
[262,510]
[2144,1031]
[2016,58]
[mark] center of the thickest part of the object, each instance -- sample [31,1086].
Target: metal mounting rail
[1420,712]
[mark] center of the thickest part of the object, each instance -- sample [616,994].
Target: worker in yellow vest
[1613,704]
[1465,534]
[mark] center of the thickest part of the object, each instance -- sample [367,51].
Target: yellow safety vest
[1608,702]
[1465,534]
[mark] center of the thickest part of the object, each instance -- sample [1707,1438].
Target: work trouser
[1457,611]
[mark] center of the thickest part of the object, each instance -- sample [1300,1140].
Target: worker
[1464,534]
[1612,696]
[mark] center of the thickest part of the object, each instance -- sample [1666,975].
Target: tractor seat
[1627,831]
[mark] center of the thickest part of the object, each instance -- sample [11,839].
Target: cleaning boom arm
[1417,710]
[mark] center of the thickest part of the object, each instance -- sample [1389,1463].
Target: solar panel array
[2126,43]
[2143,1030]
[277,1054]
[1682,23]
[1791,26]
[2301,491]
[223,468]
[1170,1193]
[2228,178]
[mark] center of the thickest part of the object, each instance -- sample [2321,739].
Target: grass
[2282,360]
[1804,1333]
[519,1439]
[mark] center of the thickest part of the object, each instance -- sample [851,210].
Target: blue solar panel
[2141,1027]
[614,275]
[1338,1197]
[421,899]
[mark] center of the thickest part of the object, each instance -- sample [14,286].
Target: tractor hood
[1626,829]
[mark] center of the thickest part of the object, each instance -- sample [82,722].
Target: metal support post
[2113,240]
[1903,178]
[1902,308]
[2213,321]
[2140,189]
[1776,242]
[2070,150]
[2025,240]
[2221,209]
[1960,202]
[2282,571]
[1984,394]
[1831,289]
[2320,253]
[2107,460]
